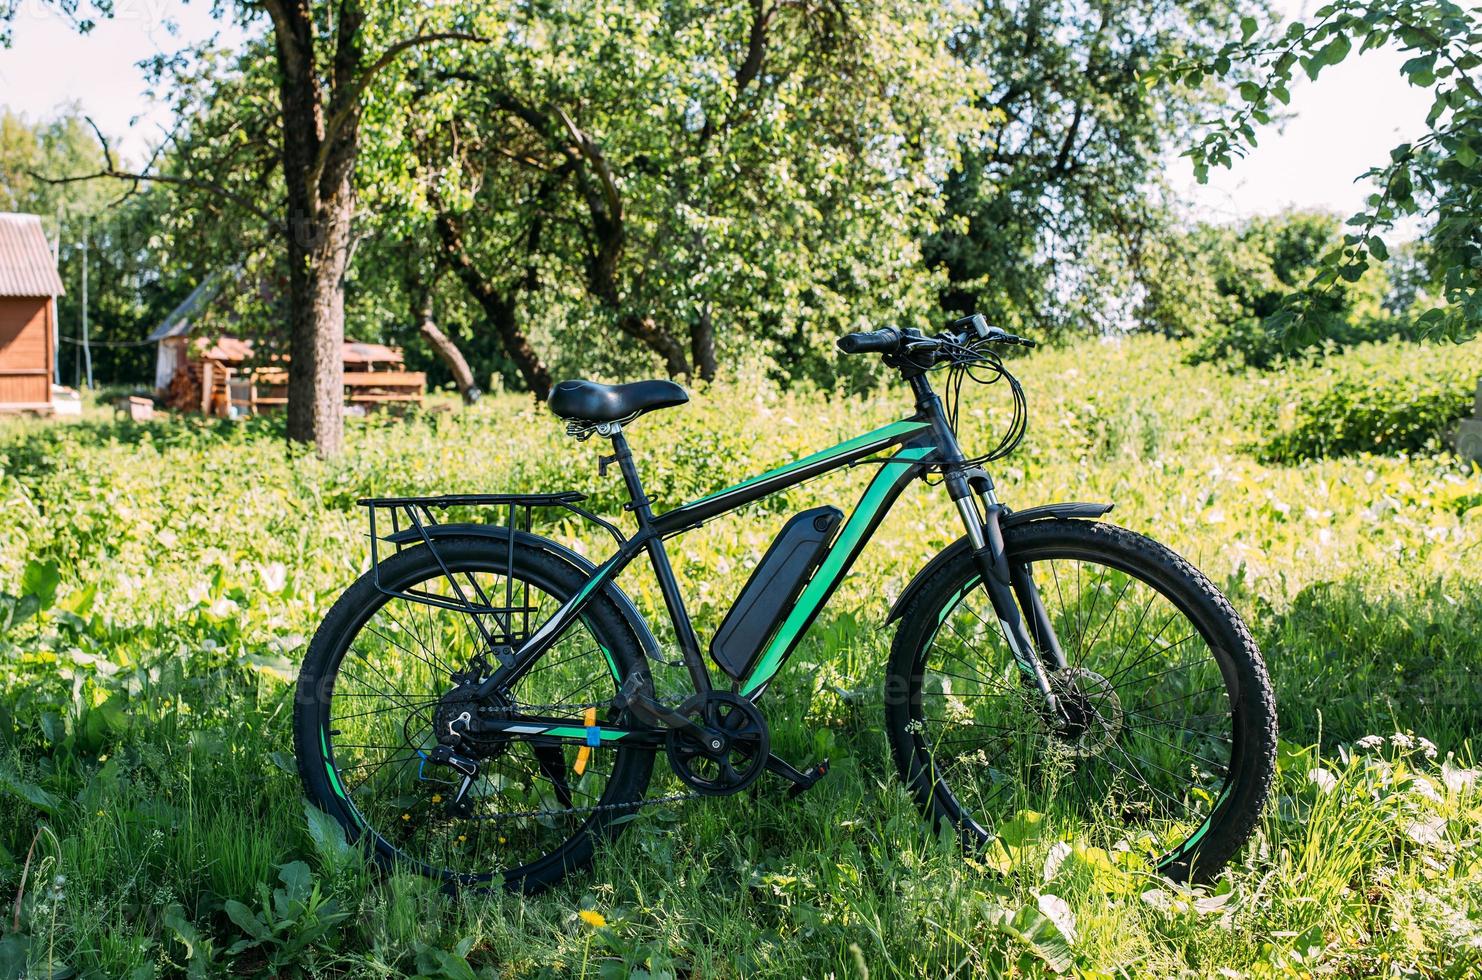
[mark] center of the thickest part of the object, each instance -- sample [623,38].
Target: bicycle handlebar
[886,341]
[889,340]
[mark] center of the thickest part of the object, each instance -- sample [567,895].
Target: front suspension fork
[1010,587]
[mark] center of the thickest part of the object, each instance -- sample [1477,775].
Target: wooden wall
[25,351]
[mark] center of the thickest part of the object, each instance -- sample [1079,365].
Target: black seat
[588,401]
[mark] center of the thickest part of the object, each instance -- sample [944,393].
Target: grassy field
[162,580]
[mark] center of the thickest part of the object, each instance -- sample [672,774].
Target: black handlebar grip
[884,341]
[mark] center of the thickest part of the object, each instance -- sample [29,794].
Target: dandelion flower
[437,797]
[592,918]
[406,816]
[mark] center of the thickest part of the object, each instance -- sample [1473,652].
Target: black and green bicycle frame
[899,452]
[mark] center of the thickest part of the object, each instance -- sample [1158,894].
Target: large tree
[1054,204]
[326,59]
[673,183]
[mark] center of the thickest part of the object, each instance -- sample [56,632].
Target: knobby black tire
[630,773]
[1252,711]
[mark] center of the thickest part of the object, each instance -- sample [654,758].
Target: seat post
[623,456]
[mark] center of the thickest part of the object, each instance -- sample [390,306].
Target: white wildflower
[274,576]
[1458,780]
[1370,742]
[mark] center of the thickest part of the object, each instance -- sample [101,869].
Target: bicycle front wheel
[1166,736]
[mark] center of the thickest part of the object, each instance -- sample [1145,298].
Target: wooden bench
[385,386]
[270,388]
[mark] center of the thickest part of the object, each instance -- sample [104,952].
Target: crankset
[731,756]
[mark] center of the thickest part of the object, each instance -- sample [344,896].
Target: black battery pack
[774,586]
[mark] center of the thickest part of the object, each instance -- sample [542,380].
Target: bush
[1380,398]
[1249,342]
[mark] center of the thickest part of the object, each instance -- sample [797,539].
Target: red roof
[235,350]
[27,267]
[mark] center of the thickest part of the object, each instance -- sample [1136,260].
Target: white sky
[1341,125]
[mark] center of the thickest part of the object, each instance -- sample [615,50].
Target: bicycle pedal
[810,778]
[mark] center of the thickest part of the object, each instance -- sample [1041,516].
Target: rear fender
[962,546]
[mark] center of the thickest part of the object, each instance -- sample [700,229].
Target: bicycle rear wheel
[377,679]
[1168,736]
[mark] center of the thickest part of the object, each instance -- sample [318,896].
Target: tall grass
[148,800]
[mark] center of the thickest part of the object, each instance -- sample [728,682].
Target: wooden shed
[217,374]
[29,286]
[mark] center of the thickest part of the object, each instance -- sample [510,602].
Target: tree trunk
[657,339]
[498,307]
[449,353]
[702,346]
[316,366]
[321,203]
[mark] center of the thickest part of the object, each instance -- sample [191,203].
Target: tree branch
[593,153]
[349,102]
[202,185]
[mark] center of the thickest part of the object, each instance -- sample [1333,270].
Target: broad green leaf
[328,837]
[40,579]
[246,919]
[14,785]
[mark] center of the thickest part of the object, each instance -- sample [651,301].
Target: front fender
[498,532]
[962,546]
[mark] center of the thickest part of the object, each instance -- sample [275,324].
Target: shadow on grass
[1347,662]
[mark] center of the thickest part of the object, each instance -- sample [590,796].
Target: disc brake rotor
[1092,711]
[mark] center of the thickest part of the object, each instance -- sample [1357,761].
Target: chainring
[742,755]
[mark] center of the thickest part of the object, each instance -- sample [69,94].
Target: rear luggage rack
[414,523]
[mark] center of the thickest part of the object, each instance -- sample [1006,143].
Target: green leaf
[13,785]
[1335,50]
[246,920]
[40,579]
[79,602]
[328,837]
[1250,91]
[278,668]
[174,918]
[1043,937]
[298,881]
[1420,70]
[1248,28]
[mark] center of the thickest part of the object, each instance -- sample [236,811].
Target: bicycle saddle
[588,401]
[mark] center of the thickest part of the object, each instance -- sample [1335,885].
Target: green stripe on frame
[832,567]
[885,434]
[606,734]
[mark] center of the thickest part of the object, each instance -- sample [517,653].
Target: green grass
[147,790]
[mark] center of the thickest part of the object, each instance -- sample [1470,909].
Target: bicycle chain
[669,800]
